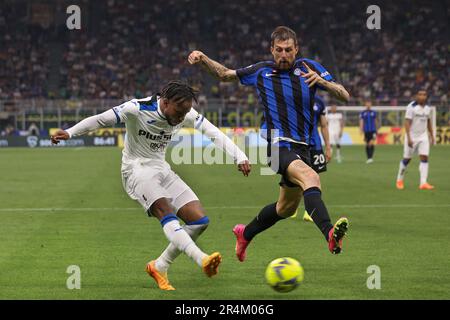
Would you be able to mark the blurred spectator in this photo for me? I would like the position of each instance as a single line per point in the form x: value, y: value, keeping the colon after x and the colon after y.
x: 33, y: 130
x: 130, y: 49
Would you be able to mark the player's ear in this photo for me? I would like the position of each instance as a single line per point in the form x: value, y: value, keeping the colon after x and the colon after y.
x: 165, y: 101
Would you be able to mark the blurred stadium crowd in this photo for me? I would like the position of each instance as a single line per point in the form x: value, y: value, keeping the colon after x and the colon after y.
x: 130, y: 48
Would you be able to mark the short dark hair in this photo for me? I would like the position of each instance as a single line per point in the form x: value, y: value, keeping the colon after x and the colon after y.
x: 283, y: 33
x: 179, y: 91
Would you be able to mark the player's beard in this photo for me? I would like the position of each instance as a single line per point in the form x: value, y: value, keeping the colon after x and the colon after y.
x: 284, y: 65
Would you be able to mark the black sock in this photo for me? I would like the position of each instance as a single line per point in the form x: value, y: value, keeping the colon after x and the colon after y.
x: 368, y: 151
x: 372, y: 150
x: 266, y: 218
x: 317, y: 210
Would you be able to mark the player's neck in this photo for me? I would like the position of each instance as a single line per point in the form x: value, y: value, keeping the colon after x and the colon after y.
x: 161, y: 107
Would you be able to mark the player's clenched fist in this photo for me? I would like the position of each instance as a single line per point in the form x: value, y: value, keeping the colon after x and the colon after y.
x: 59, y: 135
x: 195, y: 57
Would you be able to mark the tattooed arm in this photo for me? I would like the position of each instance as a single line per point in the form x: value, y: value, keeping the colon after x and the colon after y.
x: 213, y: 67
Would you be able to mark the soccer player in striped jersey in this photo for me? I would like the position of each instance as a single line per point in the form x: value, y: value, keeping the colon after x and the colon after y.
x: 336, y: 129
x: 147, y: 177
x: 286, y: 88
x: 368, y: 124
x: 418, y: 137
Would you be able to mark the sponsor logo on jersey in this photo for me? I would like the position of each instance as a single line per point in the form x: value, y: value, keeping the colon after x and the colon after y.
x: 324, y: 74
x: 156, y: 137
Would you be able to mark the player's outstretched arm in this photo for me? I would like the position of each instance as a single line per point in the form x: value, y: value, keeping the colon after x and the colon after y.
x: 213, y: 67
x: 107, y: 118
x: 335, y: 89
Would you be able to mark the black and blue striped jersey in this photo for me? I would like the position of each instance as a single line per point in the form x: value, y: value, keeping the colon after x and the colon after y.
x: 287, y: 100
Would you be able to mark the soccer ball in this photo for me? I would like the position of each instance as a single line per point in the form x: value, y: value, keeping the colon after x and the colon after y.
x: 284, y: 274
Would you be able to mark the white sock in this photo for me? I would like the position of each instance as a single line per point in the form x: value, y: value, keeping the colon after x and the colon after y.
x: 338, y: 154
x: 182, y: 241
x: 401, y: 171
x: 166, y: 258
x: 423, y: 169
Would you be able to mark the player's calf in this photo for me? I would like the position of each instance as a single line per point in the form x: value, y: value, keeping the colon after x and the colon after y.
x: 314, y: 205
x: 194, y: 229
x: 401, y: 173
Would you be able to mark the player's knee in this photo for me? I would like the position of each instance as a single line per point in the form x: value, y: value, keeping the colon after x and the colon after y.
x: 202, y: 223
x: 311, y: 179
x: 406, y: 161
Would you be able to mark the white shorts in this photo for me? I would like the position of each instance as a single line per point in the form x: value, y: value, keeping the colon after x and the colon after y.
x: 420, y: 147
x: 334, y: 137
x: 148, y: 182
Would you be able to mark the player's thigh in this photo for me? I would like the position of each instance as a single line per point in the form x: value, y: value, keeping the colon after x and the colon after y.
x: 423, y: 149
x: 302, y: 174
x: 334, y: 138
x: 184, y: 201
x: 408, y: 152
x: 144, y: 184
x: 288, y: 201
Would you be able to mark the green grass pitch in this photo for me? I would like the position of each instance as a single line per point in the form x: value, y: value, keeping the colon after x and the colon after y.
x: 63, y: 207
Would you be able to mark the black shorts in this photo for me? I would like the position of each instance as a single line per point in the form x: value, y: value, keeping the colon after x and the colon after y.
x: 318, y: 160
x: 281, y: 157
x: 370, y: 135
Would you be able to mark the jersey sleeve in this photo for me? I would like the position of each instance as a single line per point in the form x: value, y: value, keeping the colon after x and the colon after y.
x: 409, y: 112
x: 320, y: 69
x: 193, y: 119
x: 126, y: 110
x: 248, y: 75
x: 101, y: 120
x: 361, y: 115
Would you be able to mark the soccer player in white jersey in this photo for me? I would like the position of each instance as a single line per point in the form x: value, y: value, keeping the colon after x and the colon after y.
x: 418, y: 136
x: 335, y: 129
x: 148, y: 178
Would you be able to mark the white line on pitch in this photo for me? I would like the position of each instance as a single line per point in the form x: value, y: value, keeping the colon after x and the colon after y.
x: 229, y: 207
